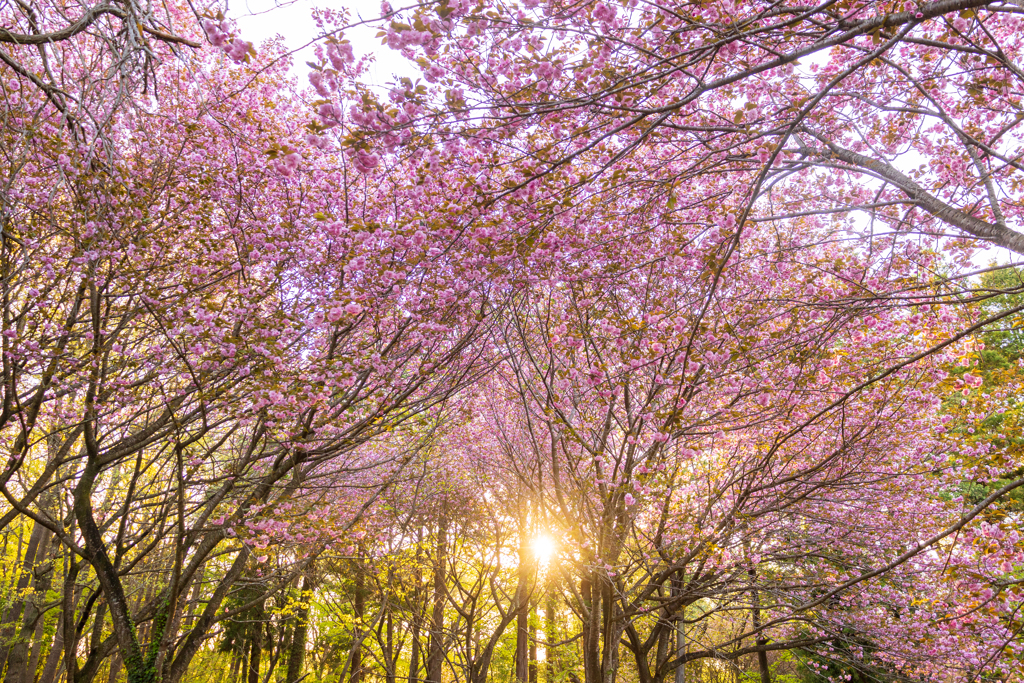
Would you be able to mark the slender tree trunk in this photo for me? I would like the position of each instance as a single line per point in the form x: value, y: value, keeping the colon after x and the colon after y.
x: 21, y: 665
x: 359, y: 607
x: 99, y: 617
x: 236, y: 664
x: 532, y: 625
x: 69, y: 607
x: 256, y: 652
x: 680, y: 630
x: 37, y: 649
x: 435, y: 655
x: 16, y: 655
x: 286, y: 649
x: 297, y: 653
x: 550, y: 636
x: 523, y: 603
x: 611, y: 633
x: 389, y: 647
x: 115, y: 668
x: 414, y: 655
x: 591, y: 594
x: 761, y: 641
x: 755, y: 614
x: 193, y: 601
x: 53, y: 657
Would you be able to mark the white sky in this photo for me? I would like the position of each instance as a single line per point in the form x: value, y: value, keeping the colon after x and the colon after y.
x: 259, y: 20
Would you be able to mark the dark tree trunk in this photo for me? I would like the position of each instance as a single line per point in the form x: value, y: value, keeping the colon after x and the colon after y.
x: 359, y: 607
x: 17, y: 654
x: 680, y: 632
x: 256, y: 653
x: 21, y: 664
x: 435, y: 655
x: 414, y: 656
x: 115, y: 668
x: 550, y: 636
x: 611, y: 633
x: 53, y: 657
x: 42, y: 587
x: 237, y: 657
x: 591, y: 595
x: 523, y: 605
x: 297, y: 652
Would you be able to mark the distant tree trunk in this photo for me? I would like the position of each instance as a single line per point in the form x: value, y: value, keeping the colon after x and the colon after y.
x: 21, y: 665
x: 256, y: 652
x: 762, y: 656
x: 550, y: 636
x: 297, y: 652
x: 16, y: 655
x: 611, y: 633
x: 523, y: 604
x: 37, y: 649
x: 435, y: 655
x: 532, y: 623
x: 389, y: 648
x: 680, y: 632
x: 99, y: 617
x: 414, y: 656
x: 236, y: 664
x: 359, y: 607
x: 193, y: 601
x: 49, y: 674
x: 755, y: 613
x: 591, y: 594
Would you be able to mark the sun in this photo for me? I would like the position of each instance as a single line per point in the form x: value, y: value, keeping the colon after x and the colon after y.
x: 544, y: 548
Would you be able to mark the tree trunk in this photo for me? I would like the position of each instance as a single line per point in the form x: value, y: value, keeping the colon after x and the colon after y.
x: 256, y: 652
x: 532, y: 625
x: 591, y: 595
x: 551, y: 668
x: 435, y: 655
x: 523, y: 606
x: 236, y: 664
x: 49, y: 674
x: 115, y: 668
x: 37, y: 650
x: 755, y: 613
x: 680, y: 629
x: 611, y: 633
x: 16, y: 655
x: 21, y: 666
x: 414, y: 656
x: 297, y: 653
x: 359, y: 607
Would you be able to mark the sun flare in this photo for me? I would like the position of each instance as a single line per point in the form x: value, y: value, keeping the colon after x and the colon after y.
x: 544, y: 548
